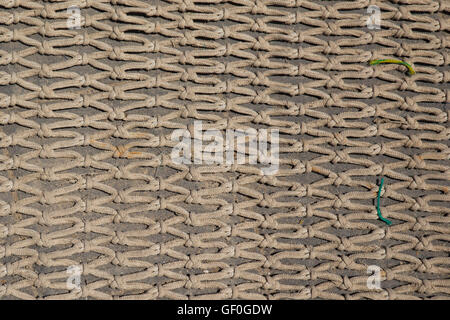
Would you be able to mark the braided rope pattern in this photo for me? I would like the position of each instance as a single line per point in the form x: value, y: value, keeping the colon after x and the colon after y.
x: 86, y: 176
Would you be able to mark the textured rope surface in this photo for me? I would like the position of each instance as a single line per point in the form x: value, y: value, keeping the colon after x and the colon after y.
x: 86, y: 176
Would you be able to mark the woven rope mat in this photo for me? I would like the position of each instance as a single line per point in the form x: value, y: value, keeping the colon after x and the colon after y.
x: 87, y: 179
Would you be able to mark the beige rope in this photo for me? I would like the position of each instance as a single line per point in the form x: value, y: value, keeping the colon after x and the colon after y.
x: 87, y: 116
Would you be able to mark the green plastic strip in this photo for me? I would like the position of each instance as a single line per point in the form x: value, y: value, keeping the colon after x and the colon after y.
x: 388, y: 222
x: 406, y: 64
